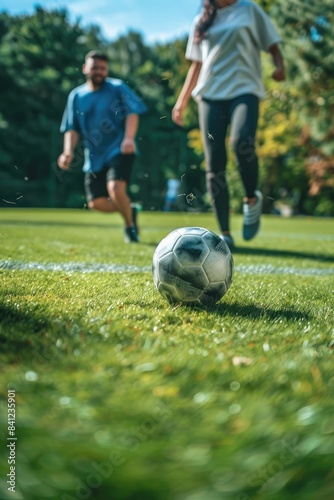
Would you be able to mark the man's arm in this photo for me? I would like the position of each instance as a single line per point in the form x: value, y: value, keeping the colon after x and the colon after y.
x: 128, y: 145
x: 71, y: 138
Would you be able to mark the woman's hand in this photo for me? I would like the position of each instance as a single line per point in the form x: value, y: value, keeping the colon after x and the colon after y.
x: 279, y: 74
x: 177, y: 114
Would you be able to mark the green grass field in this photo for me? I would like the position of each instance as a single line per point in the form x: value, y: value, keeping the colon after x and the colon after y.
x: 121, y: 396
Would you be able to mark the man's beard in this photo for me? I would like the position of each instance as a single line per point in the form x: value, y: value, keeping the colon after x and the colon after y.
x: 98, y: 81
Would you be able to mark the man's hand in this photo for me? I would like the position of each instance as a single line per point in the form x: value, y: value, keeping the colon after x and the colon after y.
x: 128, y: 146
x: 64, y: 160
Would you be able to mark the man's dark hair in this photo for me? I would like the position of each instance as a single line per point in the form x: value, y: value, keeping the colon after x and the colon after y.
x: 96, y: 54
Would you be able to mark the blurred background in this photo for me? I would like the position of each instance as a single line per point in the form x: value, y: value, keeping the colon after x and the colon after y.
x: 41, y: 54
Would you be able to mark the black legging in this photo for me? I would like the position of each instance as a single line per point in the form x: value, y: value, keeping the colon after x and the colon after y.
x: 214, y: 118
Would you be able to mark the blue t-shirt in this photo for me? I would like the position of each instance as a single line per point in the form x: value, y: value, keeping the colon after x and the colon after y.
x: 99, y: 116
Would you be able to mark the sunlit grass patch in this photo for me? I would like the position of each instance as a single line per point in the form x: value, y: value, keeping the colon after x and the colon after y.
x: 121, y: 396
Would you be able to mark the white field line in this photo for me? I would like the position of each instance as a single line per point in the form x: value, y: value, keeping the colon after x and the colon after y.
x: 13, y: 265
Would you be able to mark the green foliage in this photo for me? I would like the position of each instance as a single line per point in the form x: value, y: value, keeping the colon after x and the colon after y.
x: 40, y: 62
x: 308, y: 29
x: 41, y: 57
x: 296, y: 135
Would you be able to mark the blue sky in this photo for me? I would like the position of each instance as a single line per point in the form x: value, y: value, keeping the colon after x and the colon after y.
x: 157, y: 20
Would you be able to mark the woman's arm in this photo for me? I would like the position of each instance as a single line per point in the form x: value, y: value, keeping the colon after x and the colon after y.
x: 279, y: 73
x: 188, y: 87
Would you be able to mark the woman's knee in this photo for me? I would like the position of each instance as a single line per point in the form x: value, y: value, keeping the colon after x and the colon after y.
x: 244, y: 148
x: 216, y: 182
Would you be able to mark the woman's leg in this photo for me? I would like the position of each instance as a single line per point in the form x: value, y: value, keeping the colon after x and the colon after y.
x: 214, y: 120
x: 244, y: 112
x: 244, y: 116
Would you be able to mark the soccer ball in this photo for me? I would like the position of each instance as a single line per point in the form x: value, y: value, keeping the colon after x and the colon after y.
x: 192, y: 265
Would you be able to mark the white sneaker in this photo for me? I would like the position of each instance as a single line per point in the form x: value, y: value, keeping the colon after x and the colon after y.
x: 252, y: 217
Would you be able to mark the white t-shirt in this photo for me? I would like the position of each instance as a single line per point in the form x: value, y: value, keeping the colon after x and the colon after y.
x: 231, y: 52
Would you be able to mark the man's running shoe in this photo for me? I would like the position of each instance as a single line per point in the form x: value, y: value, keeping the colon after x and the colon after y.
x: 130, y: 235
x: 135, y: 216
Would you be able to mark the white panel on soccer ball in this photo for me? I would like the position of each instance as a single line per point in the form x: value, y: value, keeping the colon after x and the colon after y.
x: 191, y: 250
x: 155, y: 272
x: 230, y: 273
x: 215, y: 267
x: 168, y: 268
x: 194, y: 231
x: 166, y: 245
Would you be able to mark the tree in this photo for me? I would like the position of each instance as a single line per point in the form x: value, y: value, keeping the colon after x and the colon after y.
x: 296, y: 132
x: 40, y: 62
x: 41, y: 57
x: 308, y: 28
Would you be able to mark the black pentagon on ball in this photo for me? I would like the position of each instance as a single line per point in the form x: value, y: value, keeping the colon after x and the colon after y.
x: 191, y: 250
x: 214, y: 292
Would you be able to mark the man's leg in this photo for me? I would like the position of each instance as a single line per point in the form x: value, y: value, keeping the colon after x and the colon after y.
x: 118, y: 176
x: 105, y: 193
x: 97, y: 194
x: 102, y: 204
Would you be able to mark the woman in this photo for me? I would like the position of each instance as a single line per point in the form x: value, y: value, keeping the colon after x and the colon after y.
x: 224, y: 45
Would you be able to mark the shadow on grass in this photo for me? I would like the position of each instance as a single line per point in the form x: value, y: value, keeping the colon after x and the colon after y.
x: 32, y: 336
x: 150, y: 243
x: 252, y: 311
x: 15, y: 325
x: 249, y: 311
x: 270, y: 252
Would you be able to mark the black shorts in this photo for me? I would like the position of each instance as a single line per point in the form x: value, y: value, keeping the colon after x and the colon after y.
x: 118, y: 169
